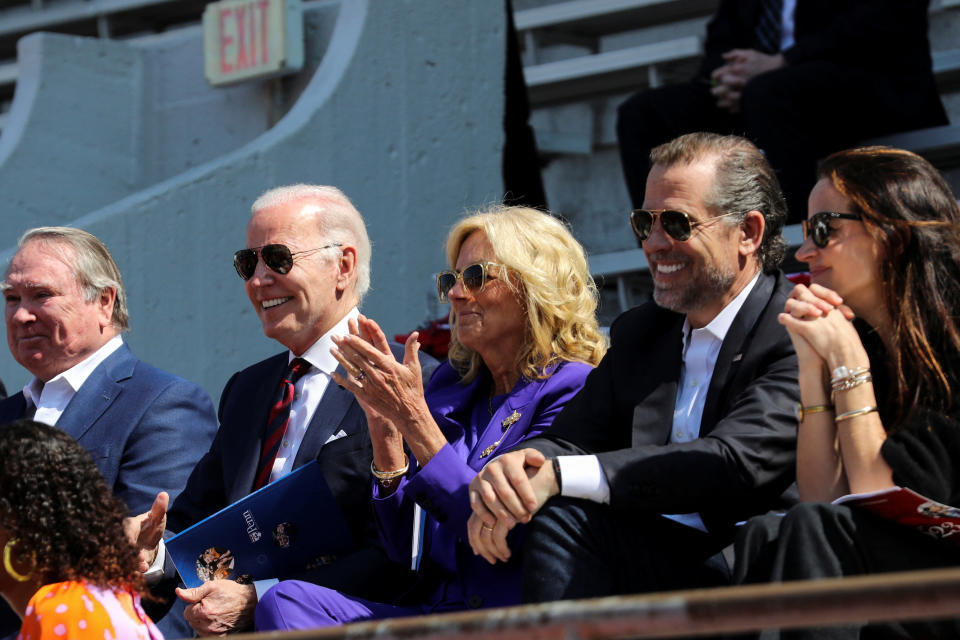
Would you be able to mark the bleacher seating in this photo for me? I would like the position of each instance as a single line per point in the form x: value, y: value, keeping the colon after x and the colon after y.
x: 93, y: 18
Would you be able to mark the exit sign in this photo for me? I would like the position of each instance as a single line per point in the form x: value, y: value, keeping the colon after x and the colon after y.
x: 244, y: 39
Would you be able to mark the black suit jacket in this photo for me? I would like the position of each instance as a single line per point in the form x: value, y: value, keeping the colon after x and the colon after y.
x: 745, y: 457
x: 886, y: 38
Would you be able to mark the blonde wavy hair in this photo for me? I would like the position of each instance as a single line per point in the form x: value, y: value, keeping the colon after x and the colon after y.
x: 547, y: 269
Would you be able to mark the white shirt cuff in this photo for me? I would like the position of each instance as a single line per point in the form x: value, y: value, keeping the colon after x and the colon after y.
x: 155, y: 572
x: 582, y: 477
x: 263, y: 585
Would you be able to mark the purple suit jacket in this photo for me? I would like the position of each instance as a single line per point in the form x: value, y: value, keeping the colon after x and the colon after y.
x: 451, y: 576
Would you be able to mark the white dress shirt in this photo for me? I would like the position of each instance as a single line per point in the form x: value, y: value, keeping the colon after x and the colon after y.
x: 47, y: 401
x: 307, y: 393
x: 582, y: 475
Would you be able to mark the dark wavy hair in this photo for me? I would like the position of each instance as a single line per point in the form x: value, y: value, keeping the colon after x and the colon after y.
x: 744, y: 181
x: 908, y: 208
x: 54, y: 500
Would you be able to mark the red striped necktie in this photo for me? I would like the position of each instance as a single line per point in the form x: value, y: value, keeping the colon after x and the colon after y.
x: 279, y: 419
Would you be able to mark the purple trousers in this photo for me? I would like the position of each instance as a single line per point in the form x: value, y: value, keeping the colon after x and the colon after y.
x: 293, y: 604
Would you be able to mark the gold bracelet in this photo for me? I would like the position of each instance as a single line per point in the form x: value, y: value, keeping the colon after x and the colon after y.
x: 853, y: 414
x: 390, y: 475
x: 803, y: 411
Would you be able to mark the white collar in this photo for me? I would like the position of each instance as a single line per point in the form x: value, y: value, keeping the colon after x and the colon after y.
x: 720, y: 325
x: 318, y: 354
x: 76, y: 375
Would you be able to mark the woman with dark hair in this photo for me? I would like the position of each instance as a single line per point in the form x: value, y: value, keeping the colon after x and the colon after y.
x: 69, y: 571
x: 881, y: 394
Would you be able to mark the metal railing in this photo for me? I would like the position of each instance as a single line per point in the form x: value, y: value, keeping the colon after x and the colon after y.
x: 913, y: 595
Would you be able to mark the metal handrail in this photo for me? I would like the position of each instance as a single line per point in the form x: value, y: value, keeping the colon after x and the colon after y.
x: 912, y: 595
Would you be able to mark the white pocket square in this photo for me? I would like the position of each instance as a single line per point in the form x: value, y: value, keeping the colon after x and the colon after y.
x: 336, y: 436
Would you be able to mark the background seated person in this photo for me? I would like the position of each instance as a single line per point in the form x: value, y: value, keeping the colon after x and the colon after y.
x: 800, y: 78
x: 883, y: 243
x: 68, y: 568
x: 524, y: 338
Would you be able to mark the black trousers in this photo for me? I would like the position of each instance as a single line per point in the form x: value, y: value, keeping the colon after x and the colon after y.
x: 795, y: 114
x: 581, y: 549
x: 817, y: 540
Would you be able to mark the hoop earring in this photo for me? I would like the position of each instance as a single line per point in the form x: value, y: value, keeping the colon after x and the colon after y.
x: 8, y: 565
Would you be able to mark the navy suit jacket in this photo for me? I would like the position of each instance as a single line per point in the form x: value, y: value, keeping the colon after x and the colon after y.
x: 226, y: 473
x: 744, y: 461
x: 145, y: 429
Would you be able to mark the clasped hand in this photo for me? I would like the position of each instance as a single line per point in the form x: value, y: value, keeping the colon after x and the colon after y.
x: 819, y: 325
x: 507, y: 491
x: 742, y: 65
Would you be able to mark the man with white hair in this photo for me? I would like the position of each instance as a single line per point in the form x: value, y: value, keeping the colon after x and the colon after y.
x: 306, y: 267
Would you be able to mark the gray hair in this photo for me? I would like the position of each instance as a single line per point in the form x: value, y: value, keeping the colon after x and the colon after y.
x: 93, y: 266
x: 744, y: 181
x: 340, y: 222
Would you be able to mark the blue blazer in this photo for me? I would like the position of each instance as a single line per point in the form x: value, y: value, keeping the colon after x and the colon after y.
x: 145, y: 429
x: 451, y: 576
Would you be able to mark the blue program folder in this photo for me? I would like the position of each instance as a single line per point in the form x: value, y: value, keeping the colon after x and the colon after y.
x: 281, y: 530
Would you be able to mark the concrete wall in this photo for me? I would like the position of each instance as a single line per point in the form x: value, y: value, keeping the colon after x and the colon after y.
x: 403, y: 112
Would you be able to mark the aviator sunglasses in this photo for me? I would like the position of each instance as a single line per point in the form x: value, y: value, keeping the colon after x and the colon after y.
x: 473, y: 277
x: 277, y: 257
x: 818, y: 228
x: 676, y: 224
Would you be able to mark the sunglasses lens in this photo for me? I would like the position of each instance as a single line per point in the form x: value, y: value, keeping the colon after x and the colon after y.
x: 642, y: 222
x: 245, y: 262
x: 676, y: 224
x: 445, y: 282
x: 473, y: 277
x: 821, y: 232
x: 277, y: 257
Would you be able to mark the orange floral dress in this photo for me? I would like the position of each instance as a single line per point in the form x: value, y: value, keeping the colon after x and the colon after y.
x: 80, y: 611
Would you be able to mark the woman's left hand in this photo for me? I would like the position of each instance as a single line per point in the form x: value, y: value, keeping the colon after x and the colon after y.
x: 390, y: 388
x: 832, y: 335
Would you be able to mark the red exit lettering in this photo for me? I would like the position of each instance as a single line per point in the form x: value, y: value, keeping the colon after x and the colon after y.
x: 243, y: 34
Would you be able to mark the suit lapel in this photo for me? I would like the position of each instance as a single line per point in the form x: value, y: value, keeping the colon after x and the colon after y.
x: 732, y: 350
x: 512, y: 415
x: 242, y: 454
x: 97, y: 393
x: 653, y: 417
x: 326, y: 420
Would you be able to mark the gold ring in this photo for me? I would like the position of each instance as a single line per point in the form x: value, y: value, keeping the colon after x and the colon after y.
x: 486, y: 528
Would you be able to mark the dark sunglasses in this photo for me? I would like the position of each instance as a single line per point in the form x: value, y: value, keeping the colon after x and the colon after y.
x: 818, y: 228
x: 676, y: 224
x: 277, y: 257
x: 473, y: 277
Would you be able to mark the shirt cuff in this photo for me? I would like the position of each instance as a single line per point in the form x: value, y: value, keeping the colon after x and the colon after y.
x: 263, y: 585
x: 583, y: 478
x: 155, y: 572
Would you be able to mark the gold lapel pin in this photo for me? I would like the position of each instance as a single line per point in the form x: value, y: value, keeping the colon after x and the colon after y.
x: 508, y: 422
